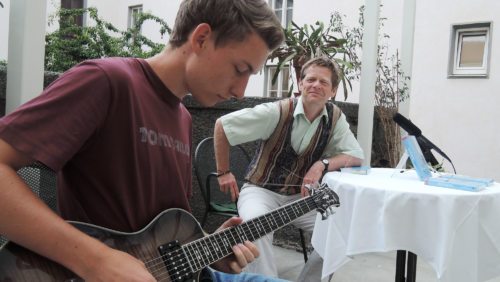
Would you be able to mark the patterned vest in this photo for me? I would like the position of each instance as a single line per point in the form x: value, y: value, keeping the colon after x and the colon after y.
x: 276, y: 166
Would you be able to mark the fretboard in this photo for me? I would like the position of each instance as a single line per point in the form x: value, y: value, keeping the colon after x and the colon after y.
x: 207, y: 250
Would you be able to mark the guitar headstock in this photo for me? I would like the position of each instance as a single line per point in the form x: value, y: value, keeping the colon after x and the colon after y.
x: 324, y: 198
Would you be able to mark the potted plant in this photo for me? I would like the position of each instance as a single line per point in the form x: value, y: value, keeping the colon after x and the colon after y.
x: 306, y: 42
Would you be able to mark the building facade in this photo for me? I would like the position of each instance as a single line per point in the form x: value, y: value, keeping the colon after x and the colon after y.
x: 455, y: 72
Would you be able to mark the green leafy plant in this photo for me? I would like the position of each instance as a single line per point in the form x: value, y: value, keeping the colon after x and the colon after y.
x: 71, y: 43
x: 306, y: 42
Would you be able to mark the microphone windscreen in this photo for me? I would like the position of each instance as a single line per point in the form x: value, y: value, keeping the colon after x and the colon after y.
x: 407, y: 125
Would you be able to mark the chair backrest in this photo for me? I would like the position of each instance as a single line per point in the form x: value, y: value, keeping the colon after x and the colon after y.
x: 204, y: 164
x: 42, y: 181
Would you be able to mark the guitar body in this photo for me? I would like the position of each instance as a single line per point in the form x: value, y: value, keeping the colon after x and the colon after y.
x: 20, y: 264
x: 173, y: 246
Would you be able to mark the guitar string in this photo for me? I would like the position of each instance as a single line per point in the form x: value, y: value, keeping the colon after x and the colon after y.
x: 203, y: 254
x: 213, y: 258
x: 158, y: 262
x: 153, y: 263
x: 187, y: 270
x: 238, y: 235
x: 255, y: 228
x: 193, y: 256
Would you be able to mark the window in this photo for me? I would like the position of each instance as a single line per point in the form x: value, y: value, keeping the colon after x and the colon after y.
x: 280, y: 88
x: 133, y: 14
x: 283, y: 10
x: 74, y: 4
x: 469, y: 56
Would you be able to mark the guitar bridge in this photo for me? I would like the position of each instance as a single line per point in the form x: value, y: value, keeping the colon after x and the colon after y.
x: 175, y: 261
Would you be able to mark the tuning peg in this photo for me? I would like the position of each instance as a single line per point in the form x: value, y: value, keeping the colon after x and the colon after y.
x: 325, y: 215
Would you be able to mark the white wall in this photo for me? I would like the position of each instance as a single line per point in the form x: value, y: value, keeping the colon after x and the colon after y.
x: 116, y: 12
x: 349, y: 9
x: 4, y: 29
x: 4, y: 24
x: 459, y: 115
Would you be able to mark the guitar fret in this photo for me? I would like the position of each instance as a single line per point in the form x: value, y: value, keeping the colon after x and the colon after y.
x: 197, y: 255
x: 203, y: 253
x: 221, y: 243
x: 192, y: 253
x: 274, y: 224
x: 231, y: 232
x: 262, y: 230
x: 241, y: 234
x: 186, y: 259
x: 226, y: 243
x: 301, y: 210
x: 254, y: 228
x: 235, y: 231
x: 307, y: 204
x: 281, y: 217
x: 294, y: 209
x: 216, y: 246
x: 207, y: 250
x: 269, y: 224
x: 287, y: 214
x: 249, y: 230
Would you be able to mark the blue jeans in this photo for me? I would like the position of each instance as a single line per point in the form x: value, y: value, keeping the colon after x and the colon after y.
x: 242, y: 277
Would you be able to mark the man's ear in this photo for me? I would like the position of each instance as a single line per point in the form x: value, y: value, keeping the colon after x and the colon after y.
x: 334, y: 91
x: 200, y: 36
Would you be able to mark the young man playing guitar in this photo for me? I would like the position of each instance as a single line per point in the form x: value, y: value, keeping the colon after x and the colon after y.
x: 119, y: 138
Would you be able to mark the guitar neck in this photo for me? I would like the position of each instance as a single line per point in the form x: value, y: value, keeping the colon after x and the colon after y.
x: 207, y: 250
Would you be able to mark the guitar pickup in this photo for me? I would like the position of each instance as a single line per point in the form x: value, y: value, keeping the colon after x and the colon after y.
x: 175, y: 262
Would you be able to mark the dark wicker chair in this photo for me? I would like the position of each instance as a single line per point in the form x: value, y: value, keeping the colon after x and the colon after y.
x: 217, y: 202
x: 42, y: 181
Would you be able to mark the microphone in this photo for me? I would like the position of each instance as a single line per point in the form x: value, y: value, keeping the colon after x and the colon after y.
x: 407, y: 125
x: 425, y: 144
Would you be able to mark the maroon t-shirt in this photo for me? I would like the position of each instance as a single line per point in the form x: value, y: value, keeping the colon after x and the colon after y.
x: 119, y: 139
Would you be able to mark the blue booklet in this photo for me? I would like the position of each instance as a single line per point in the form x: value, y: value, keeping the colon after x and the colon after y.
x: 454, y: 181
x: 457, y: 183
x: 417, y: 157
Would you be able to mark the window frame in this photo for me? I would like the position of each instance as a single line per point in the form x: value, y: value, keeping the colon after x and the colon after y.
x: 460, y: 31
x: 281, y: 92
x: 75, y: 4
x: 284, y: 20
x: 131, y: 18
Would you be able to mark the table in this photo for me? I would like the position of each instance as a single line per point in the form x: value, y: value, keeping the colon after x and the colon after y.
x: 456, y: 232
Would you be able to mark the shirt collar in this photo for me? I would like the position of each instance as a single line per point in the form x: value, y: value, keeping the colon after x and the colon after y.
x: 299, y: 110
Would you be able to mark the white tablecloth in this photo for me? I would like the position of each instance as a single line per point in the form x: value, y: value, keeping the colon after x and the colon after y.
x: 456, y: 232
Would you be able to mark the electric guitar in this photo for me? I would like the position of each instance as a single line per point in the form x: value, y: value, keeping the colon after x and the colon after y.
x: 173, y: 246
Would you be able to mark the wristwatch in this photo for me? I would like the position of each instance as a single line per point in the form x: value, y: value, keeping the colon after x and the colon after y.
x: 325, y: 163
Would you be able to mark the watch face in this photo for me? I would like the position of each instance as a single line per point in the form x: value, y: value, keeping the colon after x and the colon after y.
x: 326, y: 163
